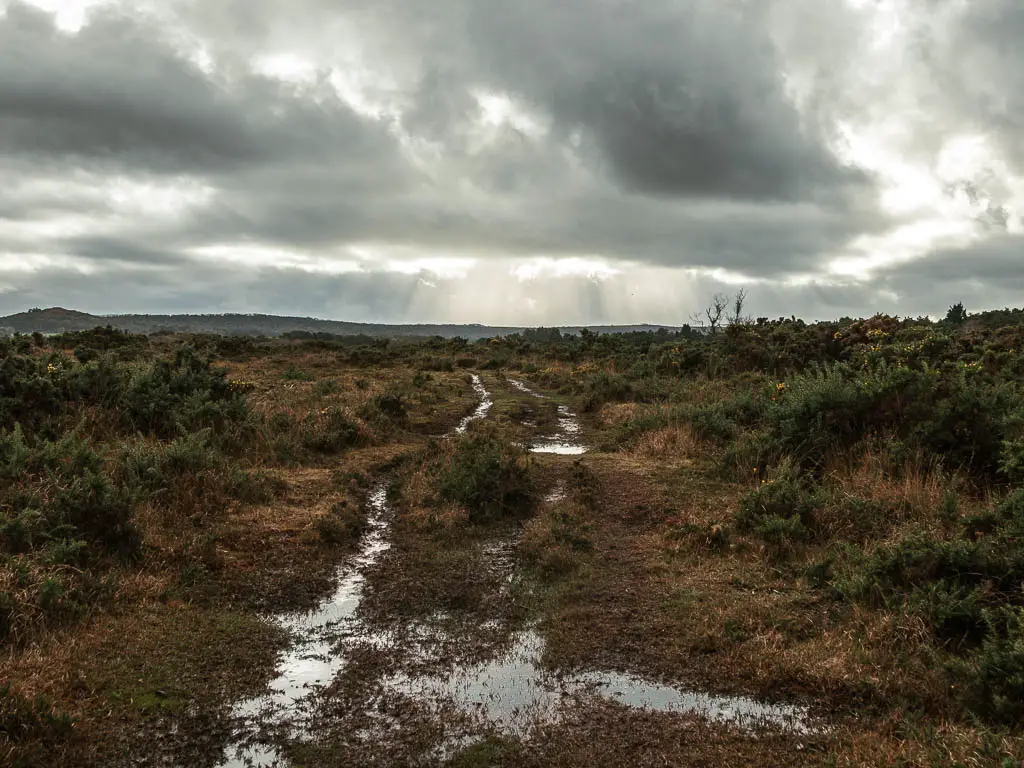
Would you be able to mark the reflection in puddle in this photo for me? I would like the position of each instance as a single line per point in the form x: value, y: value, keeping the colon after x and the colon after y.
x: 481, y: 409
x: 508, y: 692
x: 740, y: 710
x: 566, y: 440
x: 563, y: 449
x: 310, y: 662
x: 512, y: 693
x: 523, y: 388
x: 556, y: 495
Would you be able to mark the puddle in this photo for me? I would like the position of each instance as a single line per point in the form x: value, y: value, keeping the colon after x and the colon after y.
x: 523, y: 388
x: 563, y: 449
x: 556, y: 495
x: 481, y: 409
x: 310, y: 662
x: 743, y: 711
x: 509, y: 691
x: 512, y: 693
x: 566, y: 440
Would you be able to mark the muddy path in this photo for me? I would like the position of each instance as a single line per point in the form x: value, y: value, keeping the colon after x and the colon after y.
x: 432, y: 647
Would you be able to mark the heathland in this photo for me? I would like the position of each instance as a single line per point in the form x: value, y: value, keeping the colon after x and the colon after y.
x: 776, y: 543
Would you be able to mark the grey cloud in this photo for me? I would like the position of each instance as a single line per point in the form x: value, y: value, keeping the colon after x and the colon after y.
x: 675, y: 98
x: 670, y: 133
x: 117, y: 94
x: 630, y: 297
x: 104, y: 249
x: 682, y: 98
x: 996, y: 261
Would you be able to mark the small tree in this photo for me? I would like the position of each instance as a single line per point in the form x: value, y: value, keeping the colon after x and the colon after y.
x: 714, y: 312
x: 956, y: 315
x: 714, y: 315
x: 737, y: 307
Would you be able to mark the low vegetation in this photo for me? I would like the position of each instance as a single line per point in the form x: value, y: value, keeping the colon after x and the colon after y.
x: 830, y: 513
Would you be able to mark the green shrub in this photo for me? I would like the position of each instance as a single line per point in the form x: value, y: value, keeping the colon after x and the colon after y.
x: 968, y: 589
x: 487, y: 475
x: 602, y: 387
x: 326, y: 387
x: 781, y: 534
x: 711, y: 422
x: 784, y: 496
x: 99, y: 511
x: 330, y: 431
x: 342, y: 524
x: 389, y: 406
x: 22, y: 719
x: 291, y: 373
x: 992, y: 678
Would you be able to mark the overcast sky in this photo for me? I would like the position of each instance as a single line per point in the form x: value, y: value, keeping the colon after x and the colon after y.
x: 511, y: 161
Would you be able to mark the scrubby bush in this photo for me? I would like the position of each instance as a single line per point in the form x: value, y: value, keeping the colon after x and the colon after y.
x: 488, y: 475
x: 342, y: 524
x: 783, y: 496
x: 326, y: 387
x: 387, y: 406
x: 330, y: 431
x: 23, y: 719
x: 966, y: 587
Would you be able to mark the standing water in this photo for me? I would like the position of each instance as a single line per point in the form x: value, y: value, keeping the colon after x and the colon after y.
x: 481, y: 409
x: 510, y: 692
x: 566, y: 441
x: 310, y: 661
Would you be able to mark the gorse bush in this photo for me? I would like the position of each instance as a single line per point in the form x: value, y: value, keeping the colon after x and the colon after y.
x: 785, y: 495
x: 968, y: 590
x: 387, y: 406
x: 487, y: 475
x: 57, y: 490
x: 961, y: 418
x: 83, y: 445
x: 330, y: 431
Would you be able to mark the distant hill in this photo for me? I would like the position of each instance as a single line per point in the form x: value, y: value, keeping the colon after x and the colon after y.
x: 58, y: 320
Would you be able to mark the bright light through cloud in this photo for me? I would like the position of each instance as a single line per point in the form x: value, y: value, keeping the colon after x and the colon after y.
x: 540, y: 166
x: 70, y: 15
x: 540, y: 267
x: 276, y: 258
x: 290, y: 67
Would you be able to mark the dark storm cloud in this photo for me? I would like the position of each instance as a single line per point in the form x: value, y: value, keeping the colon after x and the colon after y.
x: 115, y: 94
x: 998, y: 259
x: 678, y: 98
x: 669, y: 133
x: 101, y: 250
x: 673, y: 97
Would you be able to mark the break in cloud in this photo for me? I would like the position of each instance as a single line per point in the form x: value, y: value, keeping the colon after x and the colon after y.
x: 530, y: 162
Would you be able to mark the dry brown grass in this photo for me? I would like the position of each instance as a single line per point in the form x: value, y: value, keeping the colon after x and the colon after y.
x: 615, y: 414
x: 241, y: 555
x: 672, y: 443
x: 914, y: 488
